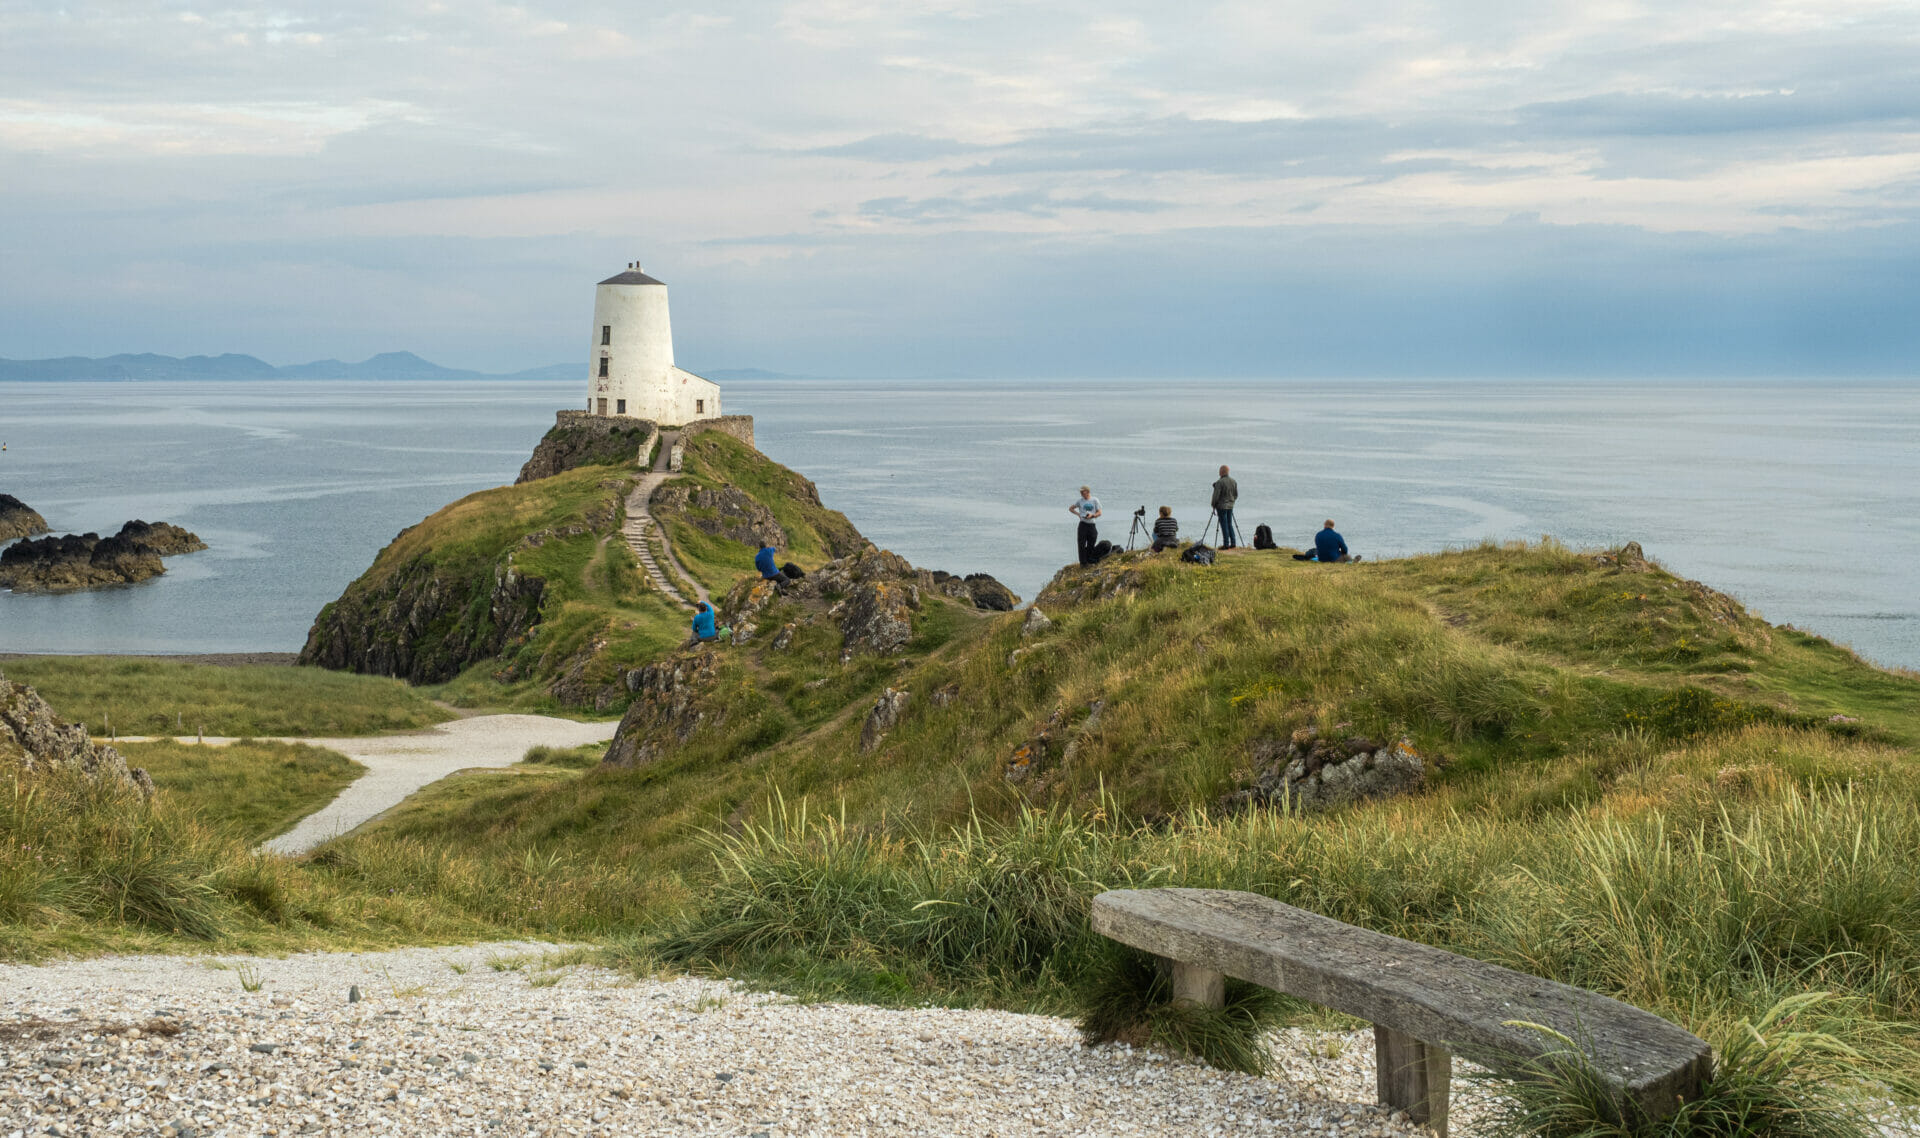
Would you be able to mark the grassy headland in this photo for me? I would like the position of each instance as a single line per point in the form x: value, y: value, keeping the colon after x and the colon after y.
x: 526, y: 596
x: 1632, y: 784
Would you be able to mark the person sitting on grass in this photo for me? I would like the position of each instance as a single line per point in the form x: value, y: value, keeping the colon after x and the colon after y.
x: 763, y: 561
x: 1328, y: 547
x: 1166, y: 531
x: 703, y: 624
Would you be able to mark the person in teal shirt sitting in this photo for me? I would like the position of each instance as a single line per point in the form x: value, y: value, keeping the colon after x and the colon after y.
x: 704, y: 629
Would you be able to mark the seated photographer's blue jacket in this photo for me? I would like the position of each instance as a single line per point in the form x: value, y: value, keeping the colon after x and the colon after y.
x: 763, y: 561
x: 1328, y: 545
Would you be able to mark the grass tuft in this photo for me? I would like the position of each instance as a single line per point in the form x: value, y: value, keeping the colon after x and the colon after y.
x: 1126, y: 996
x: 1770, y: 1080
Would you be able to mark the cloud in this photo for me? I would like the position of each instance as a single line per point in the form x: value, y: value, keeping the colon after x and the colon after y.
x: 1033, y: 203
x: 264, y: 178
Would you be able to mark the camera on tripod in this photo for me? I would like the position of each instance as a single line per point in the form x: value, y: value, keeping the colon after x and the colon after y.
x: 1139, y: 527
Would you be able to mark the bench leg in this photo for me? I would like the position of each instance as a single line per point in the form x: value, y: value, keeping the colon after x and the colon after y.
x: 1413, y: 1076
x: 1193, y: 985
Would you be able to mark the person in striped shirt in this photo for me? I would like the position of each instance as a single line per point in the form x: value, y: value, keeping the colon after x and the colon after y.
x: 1166, y: 531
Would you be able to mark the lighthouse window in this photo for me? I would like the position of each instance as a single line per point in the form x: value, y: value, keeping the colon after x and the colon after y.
x: 699, y: 406
x: 606, y: 334
x: 622, y: 405
x: 603, y: 367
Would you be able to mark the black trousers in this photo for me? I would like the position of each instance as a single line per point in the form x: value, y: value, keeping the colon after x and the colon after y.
x: 1089, y: 536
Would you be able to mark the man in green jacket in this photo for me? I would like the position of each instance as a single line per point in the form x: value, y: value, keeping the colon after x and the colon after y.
x: 1225, y: 493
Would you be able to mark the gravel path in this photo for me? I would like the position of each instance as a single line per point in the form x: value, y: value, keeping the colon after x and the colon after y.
x: 398, y: 765
x: 494, y: 1040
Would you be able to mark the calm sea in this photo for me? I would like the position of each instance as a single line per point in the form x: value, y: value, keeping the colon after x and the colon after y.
x: 1801, y: 499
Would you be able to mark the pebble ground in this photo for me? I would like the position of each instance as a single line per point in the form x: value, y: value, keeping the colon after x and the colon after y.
x: 513, y: 1039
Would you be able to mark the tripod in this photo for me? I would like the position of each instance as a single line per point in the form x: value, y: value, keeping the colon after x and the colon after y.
x: 1213, y: 523
x: 1139, y: 528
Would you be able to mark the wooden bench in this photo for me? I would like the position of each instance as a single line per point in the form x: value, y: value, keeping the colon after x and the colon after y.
x: 1424, y: 1003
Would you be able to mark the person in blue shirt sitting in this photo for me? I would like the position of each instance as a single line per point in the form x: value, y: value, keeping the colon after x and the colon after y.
x: 763, y: 561
x: 703, y: 624
x: 1328, y: 547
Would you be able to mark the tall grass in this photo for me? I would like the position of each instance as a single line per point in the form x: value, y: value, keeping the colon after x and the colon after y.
x: 258, y: 788
x: 146, y: 696
x: 1771, y: 1079
x: 1707, y: 913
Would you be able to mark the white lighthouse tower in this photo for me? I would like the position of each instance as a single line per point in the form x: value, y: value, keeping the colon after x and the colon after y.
x: 631, y: 368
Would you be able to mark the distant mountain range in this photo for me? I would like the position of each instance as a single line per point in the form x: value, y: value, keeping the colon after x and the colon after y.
x: 146, y: 365
x: 386, y: 365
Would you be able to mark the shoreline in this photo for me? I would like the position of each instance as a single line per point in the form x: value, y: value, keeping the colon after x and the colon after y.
x: 216, y: 659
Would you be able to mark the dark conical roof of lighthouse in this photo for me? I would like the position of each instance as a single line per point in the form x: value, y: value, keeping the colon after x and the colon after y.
x: 633, y: 277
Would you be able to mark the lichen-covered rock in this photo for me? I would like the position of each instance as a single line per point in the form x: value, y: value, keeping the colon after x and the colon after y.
x: 18, y: 520
x: 34, y: 740
x: 1119, y: 575
x: 668, y: 707
x: 883, y: 717
x: 1315, y: 773
x: 725, y: 512
x: 878, y: 617
x: 1036, y: 622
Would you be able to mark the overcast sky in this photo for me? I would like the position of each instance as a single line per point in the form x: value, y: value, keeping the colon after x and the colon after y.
x: 1484, y: 187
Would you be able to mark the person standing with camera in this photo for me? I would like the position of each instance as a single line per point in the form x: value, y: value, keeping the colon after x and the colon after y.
x: 1086, y: 507
x: 1225, y: 493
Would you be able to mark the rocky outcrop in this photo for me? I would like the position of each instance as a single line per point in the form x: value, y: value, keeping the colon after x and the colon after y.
x: 579, y: 439
x: 17, y: 520
x: 725, y: 512
x: 872, y: 595
x: 982, y: 590
x: 667, y: 707
x: 89, y: 561
x: 428, y: 620
x: 1315, y: 773
x: 1120, y: 575
x: 34, y: 740
x: 883, y: 717
x: 424, y: 624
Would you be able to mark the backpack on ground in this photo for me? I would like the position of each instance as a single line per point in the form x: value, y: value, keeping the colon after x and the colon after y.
x: 792, y: 572
x: 1198, y: 554
x: 1101, y: 552
x: 1263, y: 537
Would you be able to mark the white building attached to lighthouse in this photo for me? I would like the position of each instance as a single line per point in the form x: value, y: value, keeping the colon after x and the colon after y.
x: 631, y: 370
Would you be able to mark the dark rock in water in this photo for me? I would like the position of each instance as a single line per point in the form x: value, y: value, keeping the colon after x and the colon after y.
x: 88, y: 561
x: 17, y: 520
x: 163, y: 538
x: 579, y: 439
x: 34, y: 740
x: 125, y: 559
